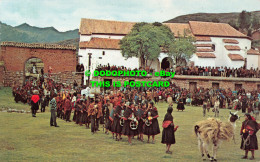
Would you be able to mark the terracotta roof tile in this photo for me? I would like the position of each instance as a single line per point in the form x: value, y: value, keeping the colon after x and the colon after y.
x: 203, y: 38
x: 205, y: 50
x: 206, y: 55
x: 253, y: 52
x: 90, y: 26
x: 232, y: 48
x: 199, y: 28
x: 203, y: 45
x: 179, y: 29
x: 233, y: 41
x: 101, y: 43
x: 235, y: 57
x: 38, y: 45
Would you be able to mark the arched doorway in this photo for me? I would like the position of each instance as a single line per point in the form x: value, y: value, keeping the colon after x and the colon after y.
x: 166, y: 63
x: 34, y: 69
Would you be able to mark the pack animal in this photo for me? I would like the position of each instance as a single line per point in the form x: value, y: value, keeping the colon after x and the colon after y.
x: 214, y: 131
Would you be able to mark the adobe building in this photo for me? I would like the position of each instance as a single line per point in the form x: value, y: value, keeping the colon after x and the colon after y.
x: 20, y: 61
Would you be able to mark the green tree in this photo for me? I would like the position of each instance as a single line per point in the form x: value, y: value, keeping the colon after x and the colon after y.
x: 183, y: 48
x: 233, y: 23
x: 249, y: 32
x: 255, y: 23
x: 244, y: 20
x: 145, y: 41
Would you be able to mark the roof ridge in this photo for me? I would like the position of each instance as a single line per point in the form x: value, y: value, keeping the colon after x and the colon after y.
x: 38, y: 45
x: 108, y: 20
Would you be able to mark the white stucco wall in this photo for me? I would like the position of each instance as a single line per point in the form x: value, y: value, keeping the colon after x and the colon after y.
x: 203, y: 61
x: 113, y: 57
x: 221, y: 52
x: 252, y: 61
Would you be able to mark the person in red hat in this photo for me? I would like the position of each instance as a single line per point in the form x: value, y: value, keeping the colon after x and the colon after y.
x: 248, y: 134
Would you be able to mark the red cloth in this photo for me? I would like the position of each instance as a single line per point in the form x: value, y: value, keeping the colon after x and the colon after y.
x: 67, y: 105
x: 35, y: 98
x: 166, y: 124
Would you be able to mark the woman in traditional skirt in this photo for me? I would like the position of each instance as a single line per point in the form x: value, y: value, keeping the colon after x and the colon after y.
x: 130, y: 116
x: 180, y: 105
x: 152, y: 127
x: 141, y: 117
x: 248, y: 133
x: 117, y: 128
x: 168, y: 136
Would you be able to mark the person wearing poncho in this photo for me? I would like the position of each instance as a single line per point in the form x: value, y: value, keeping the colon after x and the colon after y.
x: 168, y: 136
x: 248, y: 133
x: 35, y: 101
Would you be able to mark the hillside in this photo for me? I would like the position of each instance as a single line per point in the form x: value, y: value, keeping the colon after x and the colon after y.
x: 74, y: 42
x: 222, y: 17
x: 30, y: 34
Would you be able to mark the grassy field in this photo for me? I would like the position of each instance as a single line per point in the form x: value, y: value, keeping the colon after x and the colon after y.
x: 23, y: 138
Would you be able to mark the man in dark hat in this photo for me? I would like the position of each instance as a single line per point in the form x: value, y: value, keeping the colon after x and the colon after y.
x: 248, y: 134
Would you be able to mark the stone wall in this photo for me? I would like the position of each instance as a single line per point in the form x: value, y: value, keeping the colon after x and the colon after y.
x: 62, y: 77
x: 11, y: 77
x: 60, y: 60
x: 67, y: 77
x: 13, y: 59
x: 249, y: 84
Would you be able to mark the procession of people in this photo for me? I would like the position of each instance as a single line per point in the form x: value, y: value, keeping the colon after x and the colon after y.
x: 132, y: 112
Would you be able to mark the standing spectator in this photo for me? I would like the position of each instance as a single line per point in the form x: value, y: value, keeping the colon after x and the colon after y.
x: 206, y: 71
x: 53, y: 107
x: 43, y: 103
x: 81, y: 68
x: 78, y: 68
x: 35, y: 101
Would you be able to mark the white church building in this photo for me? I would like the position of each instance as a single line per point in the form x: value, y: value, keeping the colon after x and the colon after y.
x: 218, y: 44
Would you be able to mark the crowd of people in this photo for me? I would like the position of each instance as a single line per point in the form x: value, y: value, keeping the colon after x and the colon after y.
x: 123, y: 68
x: 129, y: 112
x: 241, y: 72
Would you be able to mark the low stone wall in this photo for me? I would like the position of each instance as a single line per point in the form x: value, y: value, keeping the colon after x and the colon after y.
x: 13, y: 76
x: 10, y: 77
x: 67, y: 77
x: 187, y: 82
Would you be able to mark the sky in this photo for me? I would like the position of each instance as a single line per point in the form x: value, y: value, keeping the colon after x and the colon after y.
x: 66, y: 14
